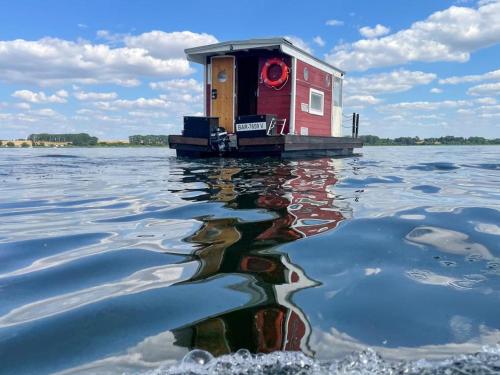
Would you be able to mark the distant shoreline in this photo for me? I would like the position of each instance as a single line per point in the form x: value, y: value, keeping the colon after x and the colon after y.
x: 47, y: 140
x: 167, y: 147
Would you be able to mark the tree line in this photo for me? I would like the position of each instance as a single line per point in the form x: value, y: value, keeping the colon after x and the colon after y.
x: 373, y: 140
x: 81, y: 139
x: 149, y: 140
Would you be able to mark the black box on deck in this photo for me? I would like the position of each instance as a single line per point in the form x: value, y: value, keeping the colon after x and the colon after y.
x: 254, y: 126
x: 199, y: 126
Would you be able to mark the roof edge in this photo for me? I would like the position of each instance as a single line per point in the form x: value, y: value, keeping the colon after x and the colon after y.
x: 228, y: 46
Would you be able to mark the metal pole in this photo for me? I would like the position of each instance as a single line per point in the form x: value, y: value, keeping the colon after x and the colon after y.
x: 357, y: 124
x: 353, y: 124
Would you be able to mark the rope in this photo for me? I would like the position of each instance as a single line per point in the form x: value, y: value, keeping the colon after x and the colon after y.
x: 283, y: 85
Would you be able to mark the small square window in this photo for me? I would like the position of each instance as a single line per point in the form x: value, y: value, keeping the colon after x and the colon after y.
x: 316, y: 102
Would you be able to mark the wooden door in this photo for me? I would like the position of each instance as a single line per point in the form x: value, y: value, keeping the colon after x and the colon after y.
x: 222, y: 101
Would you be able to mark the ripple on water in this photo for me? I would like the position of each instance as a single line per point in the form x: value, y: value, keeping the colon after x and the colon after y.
x: 123, y: 261
x: 429, y: 189
x: 435, y: 166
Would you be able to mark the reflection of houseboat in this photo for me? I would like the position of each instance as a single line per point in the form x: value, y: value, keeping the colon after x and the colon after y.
x: 299, y: 194
x: 265, y: 97
x: 311, y: 208
x: 271, y: 322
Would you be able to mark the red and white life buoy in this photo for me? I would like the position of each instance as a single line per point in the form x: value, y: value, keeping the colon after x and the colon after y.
x: 267, y: 67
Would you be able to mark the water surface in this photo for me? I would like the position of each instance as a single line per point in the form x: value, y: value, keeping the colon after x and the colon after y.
x: 124, y: 260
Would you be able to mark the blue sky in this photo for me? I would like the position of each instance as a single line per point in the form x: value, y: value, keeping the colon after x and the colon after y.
x: 115, y: 68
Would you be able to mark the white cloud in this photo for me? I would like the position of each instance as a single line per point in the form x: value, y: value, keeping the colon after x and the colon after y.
x: 390, y: 82
x: 139, y: 103
x: 176, y: 102
x: 23, y: 106
x: 493, y: 75
x: 95, y: 96
x: 360, y: 101
x: 485, y: 89
x: 424, y: 105
x: 53, y: 61
x: 46, y: 112
x: 448, y: 35
x: 164, y: 45
x: 374, y: 32
x: 435, y: 90
x: 319, y: 41
x: 298, y: 42
x: 40, y: 97
x: 334, y: 23
x: 486, y: 100
x: 111, y: 38
x: 180, y: 85
x: 33, y: 116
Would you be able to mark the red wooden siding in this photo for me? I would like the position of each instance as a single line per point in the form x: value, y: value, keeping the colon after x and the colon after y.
x: 316, y: 125
x: 271, y: 101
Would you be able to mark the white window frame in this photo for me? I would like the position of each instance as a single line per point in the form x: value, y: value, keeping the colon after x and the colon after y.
x: 315, y: 111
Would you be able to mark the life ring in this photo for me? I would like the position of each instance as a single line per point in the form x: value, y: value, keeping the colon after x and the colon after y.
x: 267, y: 67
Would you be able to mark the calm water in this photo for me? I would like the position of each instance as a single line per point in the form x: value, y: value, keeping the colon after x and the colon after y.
x: 124, y: 260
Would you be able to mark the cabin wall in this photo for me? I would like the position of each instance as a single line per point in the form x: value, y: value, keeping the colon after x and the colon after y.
x: 305, y: 122
x: 271, y: 101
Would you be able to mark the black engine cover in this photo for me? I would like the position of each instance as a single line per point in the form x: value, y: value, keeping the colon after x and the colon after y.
x: 199, y: 126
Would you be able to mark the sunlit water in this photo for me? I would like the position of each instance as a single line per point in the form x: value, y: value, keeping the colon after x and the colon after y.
x: 126, y: 260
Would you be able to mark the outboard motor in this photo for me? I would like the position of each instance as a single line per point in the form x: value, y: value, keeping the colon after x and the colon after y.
x: 219, y: 140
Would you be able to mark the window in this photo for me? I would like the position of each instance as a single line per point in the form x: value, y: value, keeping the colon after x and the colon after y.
x: 316, y: 102
x: 337, y: 92
x: 306, y: 73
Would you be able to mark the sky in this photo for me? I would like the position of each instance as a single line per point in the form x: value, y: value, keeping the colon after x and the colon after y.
x: 114, y: 68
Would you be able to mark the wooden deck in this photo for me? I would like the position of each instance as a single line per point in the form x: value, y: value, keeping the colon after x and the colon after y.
x: 279, y: 146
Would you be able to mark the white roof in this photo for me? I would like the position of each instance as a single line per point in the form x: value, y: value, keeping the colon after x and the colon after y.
x: 199, y: 54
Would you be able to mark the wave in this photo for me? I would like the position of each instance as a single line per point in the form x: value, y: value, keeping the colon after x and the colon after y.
x: 365, y: 362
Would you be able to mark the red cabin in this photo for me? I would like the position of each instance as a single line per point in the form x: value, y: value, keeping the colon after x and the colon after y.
x: 271, y: 76
x: 266, y: 97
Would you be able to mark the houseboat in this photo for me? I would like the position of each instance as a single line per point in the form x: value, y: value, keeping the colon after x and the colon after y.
x: 266, y: 97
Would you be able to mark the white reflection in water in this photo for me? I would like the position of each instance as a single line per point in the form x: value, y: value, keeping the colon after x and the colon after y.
x: 412, y: 217
x: 372, y: 271
x: 488, y: 228
x: 448, y: 241
x: 431, y: 278
x: 150, y: 353
x: 147, y: 279
x: 335, y: 344
x: 154, y: 236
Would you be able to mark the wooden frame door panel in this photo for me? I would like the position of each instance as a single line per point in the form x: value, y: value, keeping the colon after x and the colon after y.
x: 222, y: 99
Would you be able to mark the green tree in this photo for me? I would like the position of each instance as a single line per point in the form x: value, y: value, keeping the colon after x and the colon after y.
x: 81, y: 139
x: 10, y: 144
x: 149, y: 140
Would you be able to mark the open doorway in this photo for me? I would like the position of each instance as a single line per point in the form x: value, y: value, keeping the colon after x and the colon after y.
x: 248, y: 79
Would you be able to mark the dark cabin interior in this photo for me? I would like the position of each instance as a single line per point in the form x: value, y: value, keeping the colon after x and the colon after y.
x: 247, y: 84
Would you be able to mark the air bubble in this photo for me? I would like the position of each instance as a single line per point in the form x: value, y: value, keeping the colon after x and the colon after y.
x: 197, y: 357
x: 244, y: 353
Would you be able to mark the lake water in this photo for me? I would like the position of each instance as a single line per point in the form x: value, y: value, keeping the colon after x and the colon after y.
x: 125, y: 260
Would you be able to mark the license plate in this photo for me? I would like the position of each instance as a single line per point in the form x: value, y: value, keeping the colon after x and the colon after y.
x: 249, y: 126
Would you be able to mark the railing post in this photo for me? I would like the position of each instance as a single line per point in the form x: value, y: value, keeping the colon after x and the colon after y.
x: 357, y: 124
x: 353, y: 124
